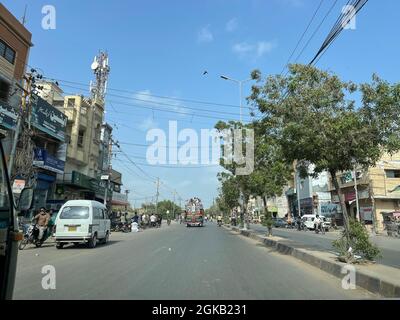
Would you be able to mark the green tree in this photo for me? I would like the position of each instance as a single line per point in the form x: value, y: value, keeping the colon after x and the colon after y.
x: 271, y: 173
x: 168, y: 205
x: 310, y: 115
x: 238, y: 184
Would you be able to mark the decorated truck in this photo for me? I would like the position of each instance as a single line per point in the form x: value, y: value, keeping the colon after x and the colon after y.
x: 194, y: 213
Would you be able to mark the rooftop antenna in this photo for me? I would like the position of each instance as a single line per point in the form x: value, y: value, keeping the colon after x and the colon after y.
x: 24, y: 17
x: 101, y: 69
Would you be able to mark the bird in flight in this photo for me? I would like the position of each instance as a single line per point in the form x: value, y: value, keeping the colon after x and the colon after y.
x: 205, y: 72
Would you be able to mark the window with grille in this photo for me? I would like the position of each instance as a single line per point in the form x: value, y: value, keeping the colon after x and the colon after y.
x: 7, y: 52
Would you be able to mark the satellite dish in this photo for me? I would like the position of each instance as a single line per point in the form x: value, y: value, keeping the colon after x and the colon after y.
x: 94, y: 65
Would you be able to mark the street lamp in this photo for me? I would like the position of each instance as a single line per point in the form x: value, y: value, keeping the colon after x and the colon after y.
x: 240, y: 82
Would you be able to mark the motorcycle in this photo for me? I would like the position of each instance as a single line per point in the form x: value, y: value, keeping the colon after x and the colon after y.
x: 115, y: 226
x: 301, y: 226
x: 219, y: 223
x: 168, y: 221
x: 125, y: 227
x: 31, y: 236
x: 319, y: 228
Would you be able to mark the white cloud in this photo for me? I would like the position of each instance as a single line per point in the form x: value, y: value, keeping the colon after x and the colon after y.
x: 242, y: 48
x: 255, y: 50
x: 264, y: 47
x: 231, y: 25
x: 205, y: 35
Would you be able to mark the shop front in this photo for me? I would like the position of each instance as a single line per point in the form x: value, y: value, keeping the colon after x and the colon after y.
x: 77, y: 185
x: 119, y: 202
x: 48, y: 167
x: 306, y: 206
x: 391, y: 221
x: 8, y: 123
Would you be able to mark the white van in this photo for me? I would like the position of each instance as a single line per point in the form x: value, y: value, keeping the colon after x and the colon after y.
x: 308, y: 220
x: 82, y: 221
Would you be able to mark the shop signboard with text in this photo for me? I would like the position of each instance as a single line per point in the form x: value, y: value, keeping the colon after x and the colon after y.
x: 43, y: 159
x: 48, y: 119
x: 8, y: 116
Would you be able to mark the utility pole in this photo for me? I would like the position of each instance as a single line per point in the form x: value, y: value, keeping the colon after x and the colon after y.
x: 126, y: 206
x: 355, y: 188
x: 173, y: 205
x: 25, y: 112
x: 109, y: 154
x: 297, y: 179
x: 157, y: 194
x: 25, y: 94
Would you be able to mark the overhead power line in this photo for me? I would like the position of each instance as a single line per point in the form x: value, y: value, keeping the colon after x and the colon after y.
x: 167, y: 110
x: 316, y: 30
x: 338, y: 27
x: 150, y: 95
x: 177, y: 166
x: 302, y: 36
x: 157, y: 102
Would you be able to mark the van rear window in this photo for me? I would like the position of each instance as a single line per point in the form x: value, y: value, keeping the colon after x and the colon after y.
x: 75, y: 212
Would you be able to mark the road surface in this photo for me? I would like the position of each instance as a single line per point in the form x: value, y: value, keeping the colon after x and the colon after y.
x: 175, y: 262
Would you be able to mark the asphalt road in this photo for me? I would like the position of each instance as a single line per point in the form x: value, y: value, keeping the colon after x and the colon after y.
x: 175, y: 262
x: 389, y: 247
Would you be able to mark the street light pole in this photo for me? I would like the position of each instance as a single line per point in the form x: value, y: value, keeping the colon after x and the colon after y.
x: 240, y: 83
x: 355, y: 187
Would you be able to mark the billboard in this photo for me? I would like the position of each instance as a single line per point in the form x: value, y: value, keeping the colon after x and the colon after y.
x: 48, y: 119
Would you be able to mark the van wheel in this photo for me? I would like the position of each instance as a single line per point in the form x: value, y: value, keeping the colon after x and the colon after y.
x: 59, y: 245
x: 92, y: 242
x: 105, y: 239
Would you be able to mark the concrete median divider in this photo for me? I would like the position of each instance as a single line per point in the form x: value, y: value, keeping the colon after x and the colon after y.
x: 376, y: 278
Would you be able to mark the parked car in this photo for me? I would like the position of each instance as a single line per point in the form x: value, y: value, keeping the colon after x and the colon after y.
x: 82, y: 221
x: 280, y: 223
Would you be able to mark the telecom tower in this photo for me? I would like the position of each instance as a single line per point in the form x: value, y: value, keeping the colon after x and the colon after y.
x: 101, y: 69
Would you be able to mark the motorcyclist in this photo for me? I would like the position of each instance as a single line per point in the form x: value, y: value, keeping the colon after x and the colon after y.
x: 51, y: 224
x: 153, y: 220
x: 135, y: 218
x: 168, y: 218
x: 233, y: 218
x: 219, y: 219
x: 42, y: 220
x: 159, y: 219
x: 317, y: 222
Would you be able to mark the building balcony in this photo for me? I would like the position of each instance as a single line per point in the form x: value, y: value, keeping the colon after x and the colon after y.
x: 70, y: 113
x: 83, y: 122
x: 76, y: 155
x: 80, y: 156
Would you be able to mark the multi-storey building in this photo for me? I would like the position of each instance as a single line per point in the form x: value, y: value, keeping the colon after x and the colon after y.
x: 378, y: 190
x: 15, y: 42
x: 87, y: 156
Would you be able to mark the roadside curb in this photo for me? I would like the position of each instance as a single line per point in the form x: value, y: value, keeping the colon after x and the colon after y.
x: 364, y: 278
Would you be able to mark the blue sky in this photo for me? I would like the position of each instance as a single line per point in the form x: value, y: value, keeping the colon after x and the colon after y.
x: 163, y: 47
